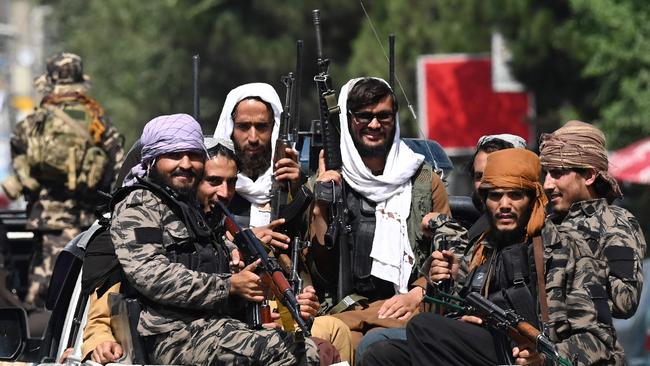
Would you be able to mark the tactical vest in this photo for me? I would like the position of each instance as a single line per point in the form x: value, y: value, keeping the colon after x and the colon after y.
x: 362, y: 222
x: 203, y: 252
x: 509, y: 277
x: 64, y: 143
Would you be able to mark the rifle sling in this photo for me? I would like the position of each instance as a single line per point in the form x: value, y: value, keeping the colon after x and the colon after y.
x: 538, y: 250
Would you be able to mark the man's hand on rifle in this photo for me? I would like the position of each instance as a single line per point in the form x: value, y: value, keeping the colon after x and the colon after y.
x: 471, y: 319
x: 326, y: 175
x: 275, y: 324
x: 401, y: 306
x: 268, y: 236
x: 247, y: 284
x: 308, y: 302
x: 527, y: 356
x: 444, y: 266
x: 288, y: 169
x: 424, y: 225
x: 236, y: 264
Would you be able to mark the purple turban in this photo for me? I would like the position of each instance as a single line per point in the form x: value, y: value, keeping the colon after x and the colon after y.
x: 167, y: 134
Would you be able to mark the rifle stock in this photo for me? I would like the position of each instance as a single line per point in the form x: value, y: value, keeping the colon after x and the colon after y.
x: 519, y: 330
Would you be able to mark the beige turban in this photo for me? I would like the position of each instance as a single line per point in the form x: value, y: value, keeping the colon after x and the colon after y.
x: 578, y: 145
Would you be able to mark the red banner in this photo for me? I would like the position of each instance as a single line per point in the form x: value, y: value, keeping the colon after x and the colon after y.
x: 458, y: 105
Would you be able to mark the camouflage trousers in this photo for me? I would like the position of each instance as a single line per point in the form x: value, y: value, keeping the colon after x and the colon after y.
x: 43, y: 265
x: 226, y: 341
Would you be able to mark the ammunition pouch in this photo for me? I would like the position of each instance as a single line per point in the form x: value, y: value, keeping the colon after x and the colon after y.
x: 326, y: 192
x: 93, y: 167
x: 201, y: 260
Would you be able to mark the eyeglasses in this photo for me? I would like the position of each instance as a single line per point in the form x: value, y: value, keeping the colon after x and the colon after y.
x: 364, y: 118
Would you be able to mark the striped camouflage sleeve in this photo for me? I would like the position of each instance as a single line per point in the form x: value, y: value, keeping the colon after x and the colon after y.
x: 142, y: 227
x: 575, y: 326
x: 625, y: 287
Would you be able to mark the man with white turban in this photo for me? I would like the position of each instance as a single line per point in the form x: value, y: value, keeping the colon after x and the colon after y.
x: 389, y: 191
x: 251, y: 118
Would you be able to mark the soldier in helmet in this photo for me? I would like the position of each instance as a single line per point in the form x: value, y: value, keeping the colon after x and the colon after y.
x: 62, y: 155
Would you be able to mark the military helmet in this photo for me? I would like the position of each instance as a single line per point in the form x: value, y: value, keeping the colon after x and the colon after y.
x: 65, y: 68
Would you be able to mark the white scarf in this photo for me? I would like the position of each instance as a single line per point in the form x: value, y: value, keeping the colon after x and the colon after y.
x: 256, y: 192
x: 391, y: 252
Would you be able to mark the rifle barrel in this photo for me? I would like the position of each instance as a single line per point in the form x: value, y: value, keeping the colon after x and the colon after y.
x: 196, y: 60
x: 319, y: 43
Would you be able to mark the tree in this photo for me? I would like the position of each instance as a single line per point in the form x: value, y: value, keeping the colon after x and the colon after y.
x: 138, y: 53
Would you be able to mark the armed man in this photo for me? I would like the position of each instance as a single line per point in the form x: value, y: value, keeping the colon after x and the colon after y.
x: 581, y: 192
x: 62, y: 155
x: 388, y: 190
x: 486, y: 145
x: 503, y: 267
x: 251, y: 118
x: 185, y: 317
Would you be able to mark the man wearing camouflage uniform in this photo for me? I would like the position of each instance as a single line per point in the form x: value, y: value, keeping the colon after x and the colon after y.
x: 158, y: 234
x: 502, y: 268
x: 581, y: 191
x: 62, y: 154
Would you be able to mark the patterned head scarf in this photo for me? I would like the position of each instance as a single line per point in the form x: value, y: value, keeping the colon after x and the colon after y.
x: 164, y: 135
x: 579, y: 145
x: 517, y: 169
x: 514, y: 140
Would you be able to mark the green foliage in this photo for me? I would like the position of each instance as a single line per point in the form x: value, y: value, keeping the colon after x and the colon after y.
x: 585, y: 59
x: 138, y: 53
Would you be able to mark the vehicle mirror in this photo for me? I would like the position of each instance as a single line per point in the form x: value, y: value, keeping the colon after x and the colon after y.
x: 13, y: 333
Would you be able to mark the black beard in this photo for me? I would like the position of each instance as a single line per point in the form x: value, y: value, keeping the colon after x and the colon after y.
x: 186, y: 192
x: 505, y: 238
x: 518, y: 235
x: 380, y: 151
x: 256, y: 165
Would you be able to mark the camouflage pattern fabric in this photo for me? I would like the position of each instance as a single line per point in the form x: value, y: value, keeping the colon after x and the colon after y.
x: 574, y: 322
x: 43, y: 264
x: 51, y: 205
x: 603, y: 227
x: 575, y: 325
x: 182, y: 307
x: 227, y: 341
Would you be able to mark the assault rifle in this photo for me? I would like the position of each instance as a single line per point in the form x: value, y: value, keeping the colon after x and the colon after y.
x: 269, y: 270
x: 337, y: 230
x: 517, y: 328
x: 507, y: 321
x: 285, y: 202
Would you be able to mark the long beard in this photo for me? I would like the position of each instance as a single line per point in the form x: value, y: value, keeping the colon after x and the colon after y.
x: 256, y: 165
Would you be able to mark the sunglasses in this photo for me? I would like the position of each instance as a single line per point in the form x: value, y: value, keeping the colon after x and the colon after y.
x: 364, y: 118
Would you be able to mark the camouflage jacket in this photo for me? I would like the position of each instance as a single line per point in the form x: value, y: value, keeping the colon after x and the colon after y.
x: 50, y: 205
x: 175, y: 295
x: 574, y: 325
x: 579, y: 318
x: 613, y: 237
